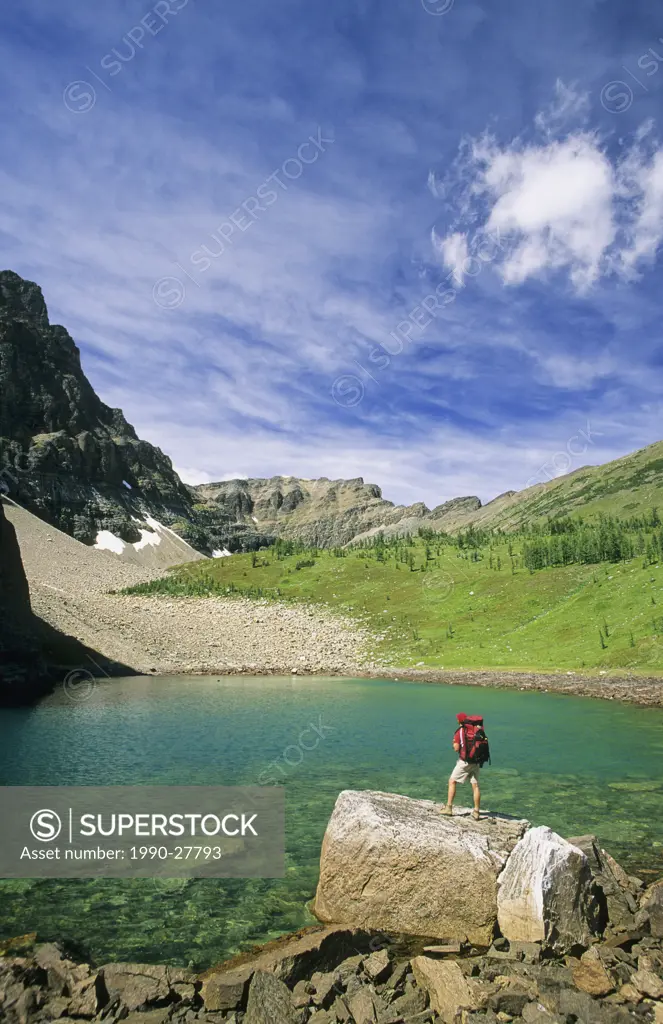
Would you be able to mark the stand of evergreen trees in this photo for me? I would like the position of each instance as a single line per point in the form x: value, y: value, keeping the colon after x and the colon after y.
x: 606, y: 540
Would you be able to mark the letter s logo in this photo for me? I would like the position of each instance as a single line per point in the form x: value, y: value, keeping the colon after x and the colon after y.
x: 45, y: 825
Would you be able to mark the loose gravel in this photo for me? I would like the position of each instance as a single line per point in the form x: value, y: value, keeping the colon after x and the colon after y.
x: 69, y: 586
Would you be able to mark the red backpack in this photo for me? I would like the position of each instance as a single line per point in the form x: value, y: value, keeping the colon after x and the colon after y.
x: 472, y: 739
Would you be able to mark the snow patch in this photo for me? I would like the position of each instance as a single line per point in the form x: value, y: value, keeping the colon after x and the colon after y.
x: 160, y: 528
x: 128, y: 486
x: 107, y: 541
x: 221, y: 554
x: 147, y: 539
x: 254, y: 519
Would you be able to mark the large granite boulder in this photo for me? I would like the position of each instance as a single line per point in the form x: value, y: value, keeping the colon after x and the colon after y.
x: 390, y: 862
x: 546, y: 893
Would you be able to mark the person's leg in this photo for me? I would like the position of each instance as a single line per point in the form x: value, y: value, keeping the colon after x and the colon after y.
x: 476, y: 793
x: 451, y: 793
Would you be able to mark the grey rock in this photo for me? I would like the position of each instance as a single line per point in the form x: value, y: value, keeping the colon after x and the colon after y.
x: 339, y: 1010
x: 350, y: 967
x: 449, y: 990
x: 509, y: 1002
x: 529, y: 952
x: 582, y: 1006
x: 409, y: 1004
x: 399, y: 975
x: 301, y: 995
x: 226, y: 990
x: 546, y: 893
x: 615, y: 889
x: 648, y: 983
x: 326, y: 987
x: 225, y: 987
x: 136, y: 985
x: 652, y: 904
x: 148, y: 1017
x: 377, y: 966
x: 536, y: 1013
x: 361, y: 1005
x: 269, y: 1001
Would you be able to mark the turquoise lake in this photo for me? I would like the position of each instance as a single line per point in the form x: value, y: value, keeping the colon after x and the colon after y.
x: 575, y: 764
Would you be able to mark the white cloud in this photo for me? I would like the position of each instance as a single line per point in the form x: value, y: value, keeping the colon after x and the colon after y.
x: 454, y: 250
x: 569, y: 104
x: 647, y: 227
x: 555, y: 201
x: 563, y: 203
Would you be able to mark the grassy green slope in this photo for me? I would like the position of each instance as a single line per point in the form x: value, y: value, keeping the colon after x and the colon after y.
x: 626, y: 487
x: 452, y: 612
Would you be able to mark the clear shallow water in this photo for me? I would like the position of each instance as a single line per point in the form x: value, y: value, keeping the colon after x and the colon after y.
x: 575, y: 764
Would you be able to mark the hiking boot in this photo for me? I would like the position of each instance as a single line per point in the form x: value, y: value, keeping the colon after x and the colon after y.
x: 447, y: 809
x: 476, y: 815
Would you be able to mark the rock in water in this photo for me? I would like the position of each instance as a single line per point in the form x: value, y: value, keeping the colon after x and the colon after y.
x: 545, y: 893
x: 393, y: 863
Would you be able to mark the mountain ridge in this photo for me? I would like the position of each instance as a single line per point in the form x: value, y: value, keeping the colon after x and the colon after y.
x: 78, y: 464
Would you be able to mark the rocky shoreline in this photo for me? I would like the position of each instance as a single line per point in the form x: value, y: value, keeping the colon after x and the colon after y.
x: 629, y: 689
x: 345, y: 976
x: 644, y: 691
x: 541, y: 930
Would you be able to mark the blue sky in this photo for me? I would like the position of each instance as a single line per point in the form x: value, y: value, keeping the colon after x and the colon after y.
x: 416, y: 241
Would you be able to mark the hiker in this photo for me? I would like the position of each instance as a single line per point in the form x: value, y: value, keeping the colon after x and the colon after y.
x: 471, y: 744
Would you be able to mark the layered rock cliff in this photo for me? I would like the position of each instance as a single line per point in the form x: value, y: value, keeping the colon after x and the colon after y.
x: 68, y: 457
x: 323, y: 512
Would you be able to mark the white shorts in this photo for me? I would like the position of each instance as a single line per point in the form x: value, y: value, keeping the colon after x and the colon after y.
x: 464, y: 771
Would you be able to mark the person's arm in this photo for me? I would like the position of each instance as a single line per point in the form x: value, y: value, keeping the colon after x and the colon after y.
x: 456, y: 741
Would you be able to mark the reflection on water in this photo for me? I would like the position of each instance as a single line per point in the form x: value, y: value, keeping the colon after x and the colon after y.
x: 571, y: 763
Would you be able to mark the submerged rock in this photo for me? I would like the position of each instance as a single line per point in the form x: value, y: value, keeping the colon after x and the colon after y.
x: 395, y: 863
x: 545, y: 893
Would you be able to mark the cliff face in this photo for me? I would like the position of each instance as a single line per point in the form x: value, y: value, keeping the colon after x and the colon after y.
x: 323, y: 512
x: 65, y: 455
